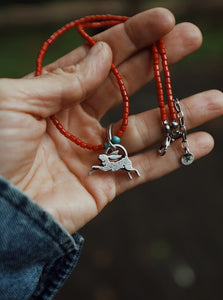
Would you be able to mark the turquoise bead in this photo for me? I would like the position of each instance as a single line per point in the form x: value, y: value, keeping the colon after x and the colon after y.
x: 116, y: 139
x: 106, y: 145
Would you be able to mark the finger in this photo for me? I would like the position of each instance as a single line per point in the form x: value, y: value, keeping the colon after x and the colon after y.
x: 48, y: 94
x: 184, y: 39
x: 145, y: 129
x: 127, y: 38
x: 151, y: 166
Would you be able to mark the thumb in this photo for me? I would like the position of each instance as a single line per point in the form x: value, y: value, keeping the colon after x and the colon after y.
x: 47, y: 94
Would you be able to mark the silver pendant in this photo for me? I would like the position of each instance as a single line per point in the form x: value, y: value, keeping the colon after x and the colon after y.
x: 187, y: 159
x: 115, y: 158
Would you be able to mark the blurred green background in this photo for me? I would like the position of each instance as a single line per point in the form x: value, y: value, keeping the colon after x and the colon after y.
x: 163, y: 240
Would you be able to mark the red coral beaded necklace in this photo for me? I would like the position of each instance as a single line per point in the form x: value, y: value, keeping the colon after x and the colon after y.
x: 112, y: 160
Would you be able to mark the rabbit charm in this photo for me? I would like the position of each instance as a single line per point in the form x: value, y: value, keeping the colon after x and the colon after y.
x: 115, y: 158
x: 114, y: 161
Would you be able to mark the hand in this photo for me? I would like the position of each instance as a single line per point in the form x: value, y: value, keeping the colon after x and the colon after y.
x: 77, y: 88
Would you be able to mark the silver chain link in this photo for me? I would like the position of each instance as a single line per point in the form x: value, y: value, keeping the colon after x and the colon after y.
x: 175, y: 131
x: 182, y: 128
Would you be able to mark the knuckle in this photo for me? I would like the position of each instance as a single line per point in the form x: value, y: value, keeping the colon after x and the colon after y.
x: 8, y: 95
x: 71, y: 77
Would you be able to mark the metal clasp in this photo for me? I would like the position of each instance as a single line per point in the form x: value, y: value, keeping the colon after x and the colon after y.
x: 163, y: 149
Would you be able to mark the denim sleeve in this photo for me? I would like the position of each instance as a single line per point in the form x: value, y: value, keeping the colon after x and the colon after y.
x: 36, y: 253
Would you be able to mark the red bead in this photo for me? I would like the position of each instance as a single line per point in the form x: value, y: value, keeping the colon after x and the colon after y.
x: 159, y: 85
x: 83, y: 144
x: 163, y: 111
x: 170, y: 100
x: 45, y: 46
x: 163, y: 118
x: 161, y: 97
x: 101, y: 147
x: 59, y: 126
x: 42, y: 52
x: 123, y: 128
x: 60, y: 31
x: 126, y: 110
x: 156, y: 67
x: 89, y: 146
x: 119, y: 133
x: 122, y: 88
x: 78, y: 141
x: 160, y: 92
x: 96, y: 147
x: 68, y: 135
x: 120, y: 81
x: 114, y: 69
x: 55, y: 121
x: 168, y: 86
x: 50, y: 41
x: 63, y: 131
x: 124, y: 94
x: 125, y: 116
x: 73, y: 138
x: 71, y: 24
x: 39, y: 60
x: 67, y: 26
x: 161, y: 103
x: 38, y: 72
x: 159, y: 82
x: 167, y: 73
x: 174, y: 116
x: 156, y: 73
x: 125, y: 122
x: 165, y: 69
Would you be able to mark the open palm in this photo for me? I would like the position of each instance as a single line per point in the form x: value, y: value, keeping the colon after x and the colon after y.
x: 79, y: 90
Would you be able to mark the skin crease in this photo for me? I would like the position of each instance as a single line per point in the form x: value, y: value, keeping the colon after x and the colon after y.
x: 53, y: 170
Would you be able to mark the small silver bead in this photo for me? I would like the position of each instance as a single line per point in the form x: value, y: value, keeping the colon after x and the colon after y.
x: 174, y: 124
x: 166, y: 126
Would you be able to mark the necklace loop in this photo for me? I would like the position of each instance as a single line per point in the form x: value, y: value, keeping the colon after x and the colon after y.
x: 174, y: 125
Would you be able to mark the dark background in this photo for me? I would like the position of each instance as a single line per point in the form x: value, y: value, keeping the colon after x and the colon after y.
x: 164, y: 239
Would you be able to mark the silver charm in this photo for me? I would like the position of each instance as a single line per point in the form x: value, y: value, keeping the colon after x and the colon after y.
x: 115, y: 158
x: 187, y: 159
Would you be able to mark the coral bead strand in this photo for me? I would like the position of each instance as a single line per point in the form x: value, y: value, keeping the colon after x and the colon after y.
x: 159, y: 85
x: 159, y: 49
x: 168, y: 86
